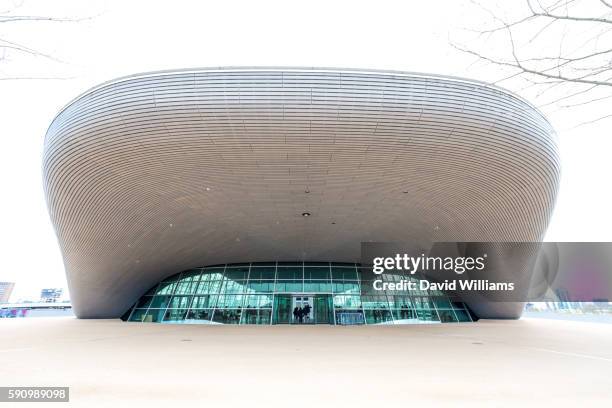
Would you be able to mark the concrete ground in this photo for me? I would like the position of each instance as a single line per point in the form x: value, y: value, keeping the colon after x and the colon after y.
x: 531, y: 362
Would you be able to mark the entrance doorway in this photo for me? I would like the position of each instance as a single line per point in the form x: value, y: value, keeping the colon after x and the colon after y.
x: 304, y: 303
x: 321, y: 308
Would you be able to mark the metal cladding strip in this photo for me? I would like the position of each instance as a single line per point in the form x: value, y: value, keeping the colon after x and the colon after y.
x: 153, y: 174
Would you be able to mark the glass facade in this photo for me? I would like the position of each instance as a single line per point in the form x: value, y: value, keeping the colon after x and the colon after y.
x: 288, y: 293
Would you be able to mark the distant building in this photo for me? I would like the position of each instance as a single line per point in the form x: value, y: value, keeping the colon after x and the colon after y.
x: 6, y: 288
x: 36, y: 309
x: 51, y: 295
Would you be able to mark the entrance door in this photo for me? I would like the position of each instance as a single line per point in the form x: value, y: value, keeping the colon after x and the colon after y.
x: 305, y: 303
x: 323, y: 309
x: 282, y: 309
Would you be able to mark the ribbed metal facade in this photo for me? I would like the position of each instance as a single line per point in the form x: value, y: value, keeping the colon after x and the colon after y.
x: 149, y: 175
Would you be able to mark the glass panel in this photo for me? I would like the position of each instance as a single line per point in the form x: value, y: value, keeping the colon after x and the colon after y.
x: 256, y: 316
x: 323, y: 309
x: 153, y: 315
x: 212, y: 273
x: 200, y: 314
x: 237, y: 273
x: 317, y: 286
x: 175, y: 315
x: 180, y: 302
x: 208, y: 287
x: 286, y: 272
x: 204, y: 302
x: 344, y: 273
x: 349, y: 317
x: 288, y: 286
x: 400, y: 302
x: 377, y: 316
x: 262, y: 273
x: 261, y: 286
x: 280, y: 287
x: 404, y: 314
x: 188, y: 282
x: 447, y: 316
x: 317, y: 273
x: 427, y: 315
x: 442, y: 303
x: 230, y: 301
x: 347, y: 302
x: 253, y: 301
x: 282, y: 309
x: 144, y: 302
x: 422, y: 302
x: 462, y: 316
x: 160, y: 302
x: 347, y: 287
x: 166, y: 288
x: 375, y: 302
x: 458, y: 305
x: 230, y: 286
x: 185, y: 287
x: 227, y: 316
x: 138, y: 315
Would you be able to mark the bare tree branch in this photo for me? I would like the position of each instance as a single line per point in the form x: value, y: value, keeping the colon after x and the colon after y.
x: 573, y: 105
x: 572, y: 95
x: 517, y: 64
x: 545, y: 13
x: 589, y: 122
x: 22, y: 48
x: 7, y: 46
x: 552, y: 44
x: 503, y: 26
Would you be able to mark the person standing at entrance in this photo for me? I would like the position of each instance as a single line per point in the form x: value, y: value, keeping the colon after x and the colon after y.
x: 307, y: 311
x: 296, y: 313
x: 301, y: 315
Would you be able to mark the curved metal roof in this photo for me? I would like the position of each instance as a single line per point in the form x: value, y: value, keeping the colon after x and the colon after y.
x: 152, y: 174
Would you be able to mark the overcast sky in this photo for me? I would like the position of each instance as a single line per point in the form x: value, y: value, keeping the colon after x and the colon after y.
x: 116, y: 38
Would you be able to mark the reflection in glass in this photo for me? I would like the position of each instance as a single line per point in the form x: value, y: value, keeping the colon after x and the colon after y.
x: 175, y: 315
x: 231, y: 316
x: 203, y: 315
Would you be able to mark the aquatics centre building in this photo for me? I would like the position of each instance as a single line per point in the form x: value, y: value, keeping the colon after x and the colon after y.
x: 236, y: 195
